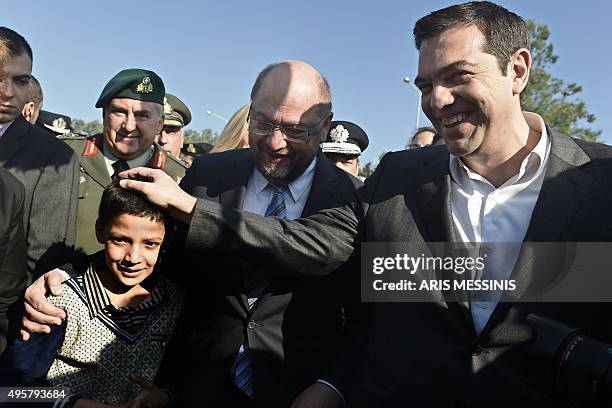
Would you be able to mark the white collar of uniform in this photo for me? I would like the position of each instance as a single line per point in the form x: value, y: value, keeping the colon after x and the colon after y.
x: 296, y: 188
x: 531, y: 166
x: 140, y: 161
x: 4, y: 126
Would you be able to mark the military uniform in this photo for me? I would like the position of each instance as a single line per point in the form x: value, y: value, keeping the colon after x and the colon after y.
x: 94, y: 177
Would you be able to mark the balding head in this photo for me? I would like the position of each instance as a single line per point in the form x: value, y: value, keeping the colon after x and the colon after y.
x: 300, y: 76
x: 290, y: 94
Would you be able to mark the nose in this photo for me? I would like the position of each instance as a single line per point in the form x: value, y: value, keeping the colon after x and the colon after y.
x: 441, y: 97
x: 163, y: 138
x: 130, y: 122
x: 7, y: 90
x: 276, y: 140
x: 133, y: 255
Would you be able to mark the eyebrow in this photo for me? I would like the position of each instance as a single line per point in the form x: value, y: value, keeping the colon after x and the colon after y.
x: 124, y: 110
x: 462, y: 64
x: 257, y: 115
x: 24, y: 76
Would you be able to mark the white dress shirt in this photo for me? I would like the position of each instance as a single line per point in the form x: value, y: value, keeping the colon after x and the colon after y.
x: 482, y: 213
x: 259, y: 192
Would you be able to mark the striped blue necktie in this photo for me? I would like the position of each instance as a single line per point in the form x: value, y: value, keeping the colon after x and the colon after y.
x: 243, y: 368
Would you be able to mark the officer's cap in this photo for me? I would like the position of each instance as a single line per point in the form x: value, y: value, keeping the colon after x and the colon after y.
x: 345, y: 138
x: 55, y: 122
x: 133, y: 83
x: 176, y: 113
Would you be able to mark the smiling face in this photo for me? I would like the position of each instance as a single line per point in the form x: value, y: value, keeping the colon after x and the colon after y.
x: 464, y: 93
x: 130, y: 126
x: 132, y: 246
x: 290, y: 95
x: 14, y: 84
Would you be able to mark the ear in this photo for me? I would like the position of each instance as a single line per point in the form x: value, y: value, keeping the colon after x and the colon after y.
x: 160, y: 124
x: 28, y: 110
x: 326, y: 127
x: 520, y: 67
x: 99, y: 232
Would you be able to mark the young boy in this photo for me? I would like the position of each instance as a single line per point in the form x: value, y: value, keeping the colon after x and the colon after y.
x: 120, y: 315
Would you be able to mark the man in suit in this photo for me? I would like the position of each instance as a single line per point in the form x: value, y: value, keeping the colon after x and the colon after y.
x: 504, y: 176
x: 13, y: 263
x: 45, y: 166
x: 262, y: 341
x: 252, y: 337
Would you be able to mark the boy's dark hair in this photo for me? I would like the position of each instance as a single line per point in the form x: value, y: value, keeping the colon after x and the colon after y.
x: 15, y: 43
x: 117, y: 201
x: 504, y: 31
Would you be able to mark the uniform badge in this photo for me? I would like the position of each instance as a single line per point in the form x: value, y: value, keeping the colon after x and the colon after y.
x: 145, y: 86
x: 191, y: 148
x: 339, y: 134
x: 82, y: 179
x: 59, y: 123
x: 167, y: 107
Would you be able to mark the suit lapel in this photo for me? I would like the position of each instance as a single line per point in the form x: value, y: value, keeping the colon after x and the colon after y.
x: 13, y: 140
x: 322, y: 193
x: 563, y: 190
x: 433, y: 196
x: 237, y: 178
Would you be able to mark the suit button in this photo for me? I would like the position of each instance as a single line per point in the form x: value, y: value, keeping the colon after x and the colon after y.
x: 252, y: 325
x: 476, y: 351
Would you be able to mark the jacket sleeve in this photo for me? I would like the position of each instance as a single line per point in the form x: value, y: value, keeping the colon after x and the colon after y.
x: 25, y: 363
x: 13, y: 273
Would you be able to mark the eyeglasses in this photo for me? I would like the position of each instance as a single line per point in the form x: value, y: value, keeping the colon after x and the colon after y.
x: 296, y: 134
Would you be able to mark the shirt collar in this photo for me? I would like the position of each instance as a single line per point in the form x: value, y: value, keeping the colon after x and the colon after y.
x: 4, y: 126
x: 532, y: 165
x: 98, y: 300
x: 296, y: 188
x: 140, y: 161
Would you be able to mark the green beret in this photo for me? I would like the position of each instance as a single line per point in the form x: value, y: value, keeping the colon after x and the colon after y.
x: 133, y: 83
x: 176, y: 113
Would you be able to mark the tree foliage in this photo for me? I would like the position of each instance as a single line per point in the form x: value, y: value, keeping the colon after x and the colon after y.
x: 550, y: 96
x: 206, y: 136
x: 86, y: 128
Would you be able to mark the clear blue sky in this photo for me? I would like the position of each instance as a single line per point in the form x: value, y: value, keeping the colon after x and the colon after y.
x: 209, y: 52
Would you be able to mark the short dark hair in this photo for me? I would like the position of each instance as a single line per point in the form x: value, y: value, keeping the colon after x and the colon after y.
x: 117, y: 201
x: 15, y: 43
x: 35, y: 93
x: 504, y: 31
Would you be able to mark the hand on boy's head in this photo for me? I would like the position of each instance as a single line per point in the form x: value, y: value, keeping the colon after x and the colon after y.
x: 150, y: 396
x: 39, y: 313
x: 160, y: 189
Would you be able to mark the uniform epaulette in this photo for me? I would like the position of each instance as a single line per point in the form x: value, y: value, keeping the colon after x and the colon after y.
x: 72, y: 136
x: 177, y: 161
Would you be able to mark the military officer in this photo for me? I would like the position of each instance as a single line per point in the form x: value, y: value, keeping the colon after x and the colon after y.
x: 344, y: 144
x: 132, y: 110
x: 176, y: 116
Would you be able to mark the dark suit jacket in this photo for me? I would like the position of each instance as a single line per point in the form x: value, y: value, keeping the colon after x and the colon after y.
x: 295, y: 331
x: 13, y: 272
x: 49, y: 172
x: 427, y: 354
